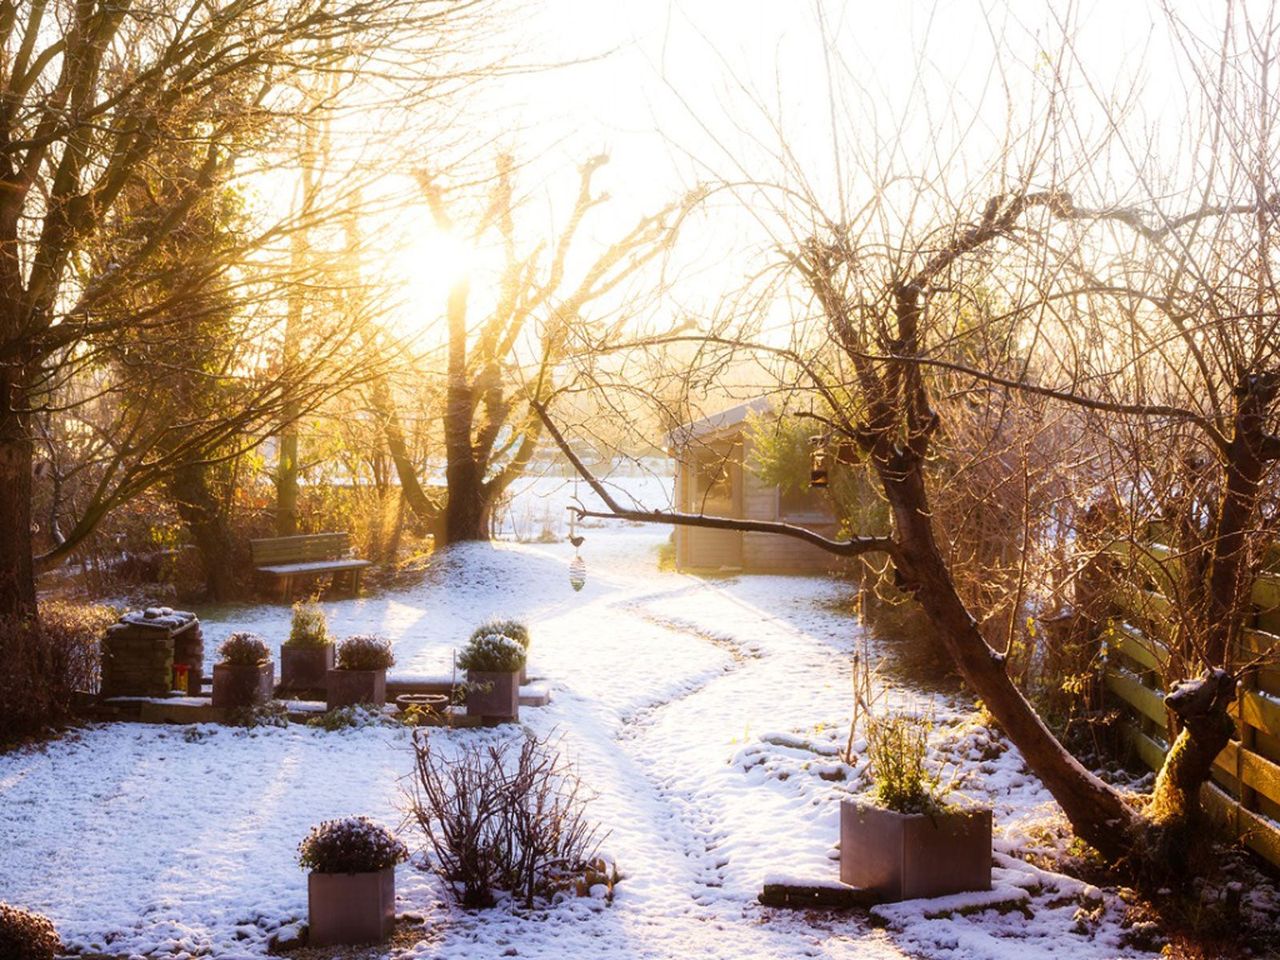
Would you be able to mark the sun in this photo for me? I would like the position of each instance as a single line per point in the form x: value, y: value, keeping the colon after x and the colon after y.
x: 428, y: 263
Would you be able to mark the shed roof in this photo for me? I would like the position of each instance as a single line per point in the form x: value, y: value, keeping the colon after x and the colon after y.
x: 717, y: 423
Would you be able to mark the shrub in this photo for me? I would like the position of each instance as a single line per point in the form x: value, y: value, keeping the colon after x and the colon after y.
x: 896, y: 748
x: 44, y: 662
x: 271, y: 714
x: 498, y: 822
x: 310, y: 628
x: 365, y: 652
x: 27, y: 936
x: 350, y: 845
x: 351, y: 717
x: 244, y: 649
x: 492, y: 653
x: 517, y: 630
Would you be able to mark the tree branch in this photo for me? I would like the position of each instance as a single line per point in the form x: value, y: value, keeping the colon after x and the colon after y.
x: 853, y: 547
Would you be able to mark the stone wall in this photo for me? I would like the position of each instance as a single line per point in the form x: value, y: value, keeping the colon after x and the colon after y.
x: 139, y: 652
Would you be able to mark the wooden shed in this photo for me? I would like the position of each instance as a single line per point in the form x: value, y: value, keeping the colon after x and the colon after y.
x: 713, y: 478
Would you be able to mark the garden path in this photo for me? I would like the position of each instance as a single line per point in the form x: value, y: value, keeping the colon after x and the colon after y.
x: 703, y: 713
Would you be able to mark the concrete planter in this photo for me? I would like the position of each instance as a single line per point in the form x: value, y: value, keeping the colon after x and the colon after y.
x: 304, y: 666
x: 494, y: 696
x: 243, y: 685
x: 347, y: 688
x: 351, y: 908
x: 902, y: 856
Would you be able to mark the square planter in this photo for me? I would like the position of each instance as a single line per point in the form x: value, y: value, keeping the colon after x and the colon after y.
x: 243, y: 685
x: 902, y: 856
x: 305, y: 667
x: 494, y: 696
x: 351, y: 908
x: 349, y: 687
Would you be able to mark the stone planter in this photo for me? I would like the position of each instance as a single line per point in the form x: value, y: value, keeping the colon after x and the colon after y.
x: 494, y: 696
x: 305, y: 666
x: 347, y: 688
x: 351, y: 908
x: 902, y: 856
x: 243, y: 685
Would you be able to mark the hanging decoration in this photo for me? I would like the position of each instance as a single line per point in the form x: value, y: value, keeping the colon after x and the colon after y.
x: 819, y: 462
x: 577, y: 573
x: 577, y: 566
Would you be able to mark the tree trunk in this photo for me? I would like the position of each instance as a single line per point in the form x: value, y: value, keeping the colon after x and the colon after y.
x: 205, y: 521
x: 287, y: 480
x: 466, y: 515
x: 17, y: 572
x: 1098, y: 813
x: 1230, y: 571
x: 1173, y: 813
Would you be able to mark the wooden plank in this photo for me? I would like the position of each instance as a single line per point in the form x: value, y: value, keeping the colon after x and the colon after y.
x: 1130, y: 641
x: 1130, y: 689
x: 310, y: 546
x: 1138, y: 604
x: 1260, y: 710
x: 1258, y: 833
x: 1266, y: 593
x: 1149, y: 750
x: 1255, y: 771
x: 1156, y: 560
x: 1259, y: 643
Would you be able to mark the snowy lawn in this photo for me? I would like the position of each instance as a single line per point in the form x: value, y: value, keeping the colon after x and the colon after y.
x: 705, y: 714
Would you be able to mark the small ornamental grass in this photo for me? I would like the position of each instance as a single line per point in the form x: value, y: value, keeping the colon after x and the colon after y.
x: 27, y: 936
x: 365, y: 652
x: 517, y: 630
x: 309, y: 628
x: 896, y: 748
x: 244, y: 650
x: 492, y: 653
x: 350, y: 845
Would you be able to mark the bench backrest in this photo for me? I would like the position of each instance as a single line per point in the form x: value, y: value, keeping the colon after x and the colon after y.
x: 305, y: 548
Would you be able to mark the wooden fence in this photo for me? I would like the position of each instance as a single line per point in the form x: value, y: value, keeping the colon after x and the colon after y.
x: 1244, y: 797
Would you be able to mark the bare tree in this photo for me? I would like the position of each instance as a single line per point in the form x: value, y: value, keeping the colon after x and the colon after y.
x: 498, y: 365
x: 91, y: 94
x: 1146, y: 326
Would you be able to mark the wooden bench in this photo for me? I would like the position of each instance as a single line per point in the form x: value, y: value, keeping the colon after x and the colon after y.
x: 287, y: 559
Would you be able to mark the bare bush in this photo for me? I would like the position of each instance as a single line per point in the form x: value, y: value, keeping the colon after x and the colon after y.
x: 502, y: 817
x: 45, y: 663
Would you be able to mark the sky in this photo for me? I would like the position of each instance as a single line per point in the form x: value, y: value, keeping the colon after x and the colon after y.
x: 681, y: 92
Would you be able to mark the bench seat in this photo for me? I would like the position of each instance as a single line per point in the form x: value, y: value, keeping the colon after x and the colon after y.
x: 315, y: 566
x: 287, y: 559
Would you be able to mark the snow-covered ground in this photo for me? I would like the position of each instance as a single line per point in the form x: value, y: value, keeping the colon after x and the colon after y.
x: 705, y: 714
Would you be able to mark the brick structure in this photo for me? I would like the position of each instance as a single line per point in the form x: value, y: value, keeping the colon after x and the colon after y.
x: 139, y: 653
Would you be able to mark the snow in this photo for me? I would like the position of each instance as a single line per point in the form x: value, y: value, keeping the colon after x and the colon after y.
x: 707, y: 716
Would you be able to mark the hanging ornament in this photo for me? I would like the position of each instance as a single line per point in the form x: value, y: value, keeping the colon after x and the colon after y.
x: 577, y: 566
x: 577, y: 573
x: 818, y: 462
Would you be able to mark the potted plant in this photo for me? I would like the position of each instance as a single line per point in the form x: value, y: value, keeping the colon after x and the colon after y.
x: 517, y: 630
x: 361, y: 672
x: 26, y: 935
x: 910, y: 842
x: 246, y: 676
x: 307, y: 656
x: 351, y: 890
x: 493, y: 663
